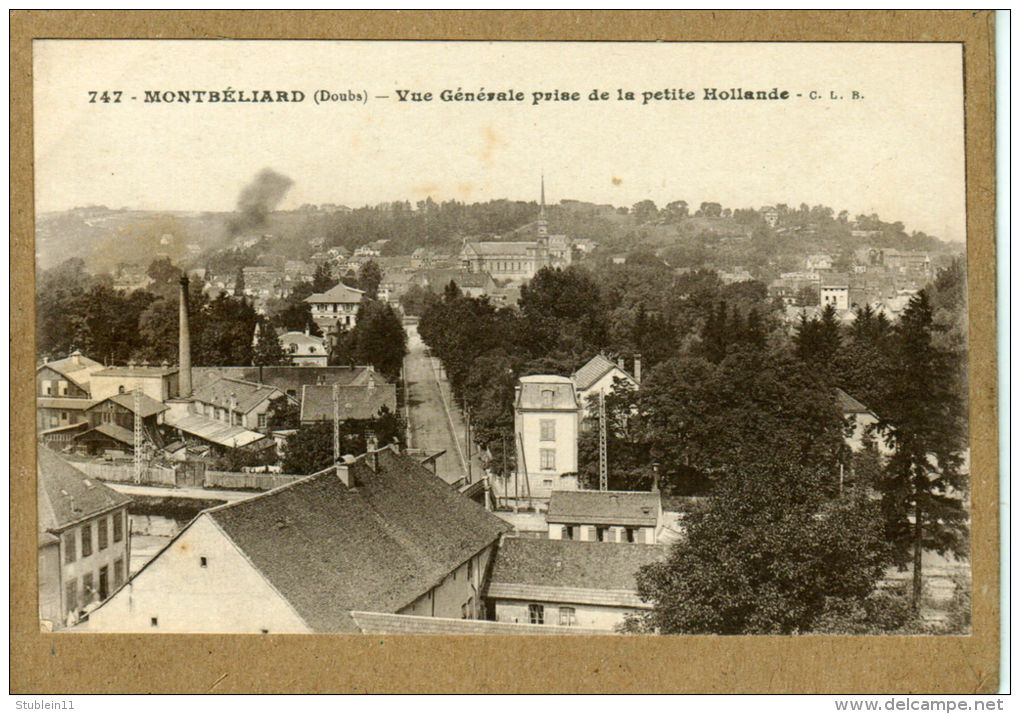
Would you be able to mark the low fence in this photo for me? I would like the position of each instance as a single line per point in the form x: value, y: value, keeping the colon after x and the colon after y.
x: 125, y: 473
x: 184, y: 476
x: 246, y: 481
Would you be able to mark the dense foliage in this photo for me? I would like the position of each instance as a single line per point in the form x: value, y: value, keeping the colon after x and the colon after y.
x: 310, y: 447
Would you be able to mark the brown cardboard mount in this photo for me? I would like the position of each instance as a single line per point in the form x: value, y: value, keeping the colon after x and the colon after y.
x: 94, y: 663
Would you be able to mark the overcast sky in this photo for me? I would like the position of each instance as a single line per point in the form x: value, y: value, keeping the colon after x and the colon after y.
x: 897, y: 152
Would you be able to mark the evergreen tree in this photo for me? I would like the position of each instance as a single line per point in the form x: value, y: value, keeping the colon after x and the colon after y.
x: 267, y: 349
x: 924, y: 422
x: 369, y: 278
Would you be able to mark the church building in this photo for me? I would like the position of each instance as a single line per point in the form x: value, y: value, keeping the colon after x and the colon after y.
x: 518, y: 261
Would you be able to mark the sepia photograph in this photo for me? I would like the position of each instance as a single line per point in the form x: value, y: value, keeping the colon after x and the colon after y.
x: 617, y: 339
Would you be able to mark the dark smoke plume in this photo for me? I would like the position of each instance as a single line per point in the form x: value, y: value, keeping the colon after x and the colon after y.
x: 257, y: 200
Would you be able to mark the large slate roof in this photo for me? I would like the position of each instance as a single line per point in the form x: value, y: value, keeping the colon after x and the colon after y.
x: 570, y: 570
x: 339, y: 293
x: 287, y: 377
x: 220, y: 392
x: 530, y: 395
x: 620, y: 508
x: 354, y: 402
x: 67, y: 496
x: 378, y: 546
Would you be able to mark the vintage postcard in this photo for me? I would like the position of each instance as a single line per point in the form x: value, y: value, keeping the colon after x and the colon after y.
x: 526, y: 340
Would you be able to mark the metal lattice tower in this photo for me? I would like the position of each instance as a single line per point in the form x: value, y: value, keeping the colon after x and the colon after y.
x: 139, y: 436
x: 336, y: 423
x: 603, y: 465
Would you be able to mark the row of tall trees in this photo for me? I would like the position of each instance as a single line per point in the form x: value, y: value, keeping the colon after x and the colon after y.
x: 76, y: 311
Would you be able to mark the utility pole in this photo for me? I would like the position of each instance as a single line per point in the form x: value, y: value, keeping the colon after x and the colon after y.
x: 603, y: 466
x: 336, y: 424
x: 139, y: 437
x: 467, y: 438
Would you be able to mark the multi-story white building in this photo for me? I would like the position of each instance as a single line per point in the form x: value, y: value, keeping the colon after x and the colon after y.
x: 337, y: 307
x: 547, y: 417
x: 835, y: 291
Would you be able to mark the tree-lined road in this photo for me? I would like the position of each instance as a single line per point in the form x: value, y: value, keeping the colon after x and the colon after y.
x: 435, y: 421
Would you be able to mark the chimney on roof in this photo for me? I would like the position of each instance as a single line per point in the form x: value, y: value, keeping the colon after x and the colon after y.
x: 372, y: 458
x: 655, y: 477
x: 371, y: 381
x: 343, y: 470
x: 619, y: 363
x: 184, y: 341
x: 76, y: 358
x: 233, y: 401
x: 637, y: 368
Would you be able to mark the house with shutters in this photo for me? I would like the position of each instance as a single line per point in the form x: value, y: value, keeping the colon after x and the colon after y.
x: 379, y: 533
x: 561, y: 583
x: 337, y: 308
x: 84, y: 541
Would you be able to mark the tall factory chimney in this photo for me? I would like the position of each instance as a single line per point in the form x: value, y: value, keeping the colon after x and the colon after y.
x: 184, y: 342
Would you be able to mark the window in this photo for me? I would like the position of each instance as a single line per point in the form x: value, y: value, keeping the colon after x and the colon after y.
x: 470, y: 569
x: 118, y: 572
x: 262, y: 421
x: 203, y: 561
x: 107, y: 417
x: 547, y: 459
x: 47, y: 387
x: 53, y: 419
x: 104, y: 582
x: 629, y: 535
x: 568, y: 533
x: 86, y: 540
x: 120, y: 389
x: 118, y: 526
x: 601, y: 533
x: 536, y: 614
x: 568, y: 617
x: 63, y: 388
x: 63, y: 416
x: 547, y: 397
x: 548, y: 429
x: 70, y: 551
x: 88, y: 591
x: 465, y: 611
x: 104, y: 534
x: 154, y: 622
x: 71, y: 595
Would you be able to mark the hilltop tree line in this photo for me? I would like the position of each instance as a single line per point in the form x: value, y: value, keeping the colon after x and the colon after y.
x: 795, y: 531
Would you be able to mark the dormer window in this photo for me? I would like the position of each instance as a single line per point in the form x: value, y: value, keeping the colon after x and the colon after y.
x: 547, y: 397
